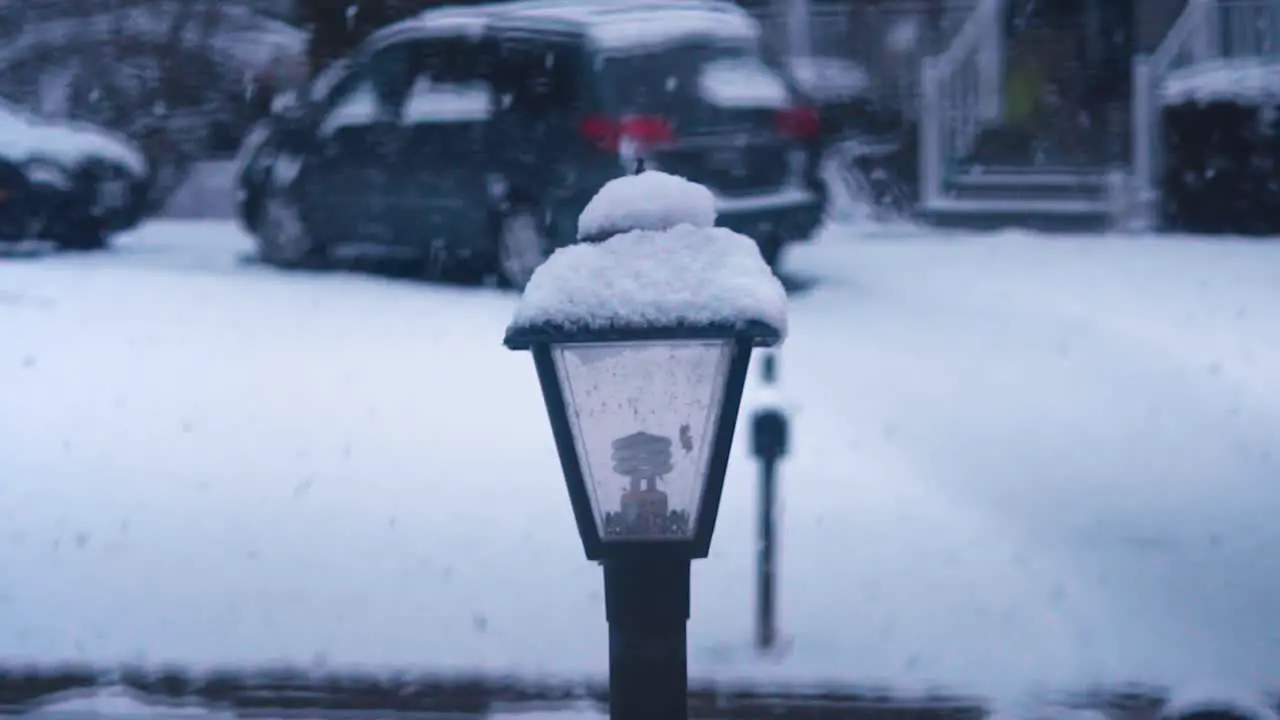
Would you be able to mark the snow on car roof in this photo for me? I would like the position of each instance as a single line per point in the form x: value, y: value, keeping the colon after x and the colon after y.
x: 640, y: 28
x: 611, y: 24
x: 25, y: 135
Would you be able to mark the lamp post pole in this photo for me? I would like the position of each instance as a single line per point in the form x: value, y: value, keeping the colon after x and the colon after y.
x: 647, y: 606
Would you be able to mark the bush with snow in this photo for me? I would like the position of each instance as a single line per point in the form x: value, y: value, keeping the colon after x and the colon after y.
x: 1243, y: 81
x: 1220, y: 137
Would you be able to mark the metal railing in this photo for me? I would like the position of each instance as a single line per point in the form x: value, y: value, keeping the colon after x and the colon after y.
x: 961, y: 92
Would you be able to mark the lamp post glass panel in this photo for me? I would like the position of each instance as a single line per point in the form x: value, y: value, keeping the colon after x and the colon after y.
x: 643, y: 417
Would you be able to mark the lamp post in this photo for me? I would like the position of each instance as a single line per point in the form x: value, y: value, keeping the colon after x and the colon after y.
x: 641, y: 342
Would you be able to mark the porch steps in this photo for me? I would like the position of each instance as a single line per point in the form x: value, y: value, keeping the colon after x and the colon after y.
x: 1044, y: 199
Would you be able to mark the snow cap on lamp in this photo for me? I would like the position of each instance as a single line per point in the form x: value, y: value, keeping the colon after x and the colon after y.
x: 664, y: 266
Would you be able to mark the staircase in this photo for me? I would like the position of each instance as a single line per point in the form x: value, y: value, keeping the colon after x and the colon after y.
x: 1042, y: 198
x: 962, y: 101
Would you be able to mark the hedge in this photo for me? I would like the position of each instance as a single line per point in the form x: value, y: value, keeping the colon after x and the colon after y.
x: 1221, y: 149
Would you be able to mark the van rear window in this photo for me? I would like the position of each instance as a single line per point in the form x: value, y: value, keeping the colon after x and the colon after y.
x: 673, y: 80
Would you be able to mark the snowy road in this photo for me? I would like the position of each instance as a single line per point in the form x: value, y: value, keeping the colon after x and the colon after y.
x: 1019, y: 462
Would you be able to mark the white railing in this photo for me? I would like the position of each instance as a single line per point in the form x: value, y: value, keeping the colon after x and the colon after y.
x: 961, y: 92
x: 1195, y: 37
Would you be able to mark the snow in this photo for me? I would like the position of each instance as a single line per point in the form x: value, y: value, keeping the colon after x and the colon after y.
x: 250, y: 144
x: 830, y: 78
x: 610, y: 25
x: 45, y: 173
x: 666, y: 264
x: 738, y: 83
x: 24, y: 137
x: 1017, y: 463
x: 1243, y: 702
x: 359, y: 108
x: 651, y: 200
x: 1246, y: 81
x: 640, y: 279
x: 649, y: 29
x: 119, y: 702
x: 444, y: 103
x: 81, y: 140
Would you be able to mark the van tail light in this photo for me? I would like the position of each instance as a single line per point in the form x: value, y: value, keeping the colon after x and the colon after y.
x: 799, y: 123
x: 609, y: 134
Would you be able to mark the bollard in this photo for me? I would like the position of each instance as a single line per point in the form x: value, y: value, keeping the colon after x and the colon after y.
x: 769, y: 445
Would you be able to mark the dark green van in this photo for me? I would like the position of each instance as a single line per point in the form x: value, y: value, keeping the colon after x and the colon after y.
x: 472, y: 137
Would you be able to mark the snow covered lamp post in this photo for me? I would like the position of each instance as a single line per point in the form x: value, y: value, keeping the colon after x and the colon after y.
x: 641, y: 336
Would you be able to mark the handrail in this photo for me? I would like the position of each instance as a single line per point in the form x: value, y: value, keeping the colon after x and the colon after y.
x: 961, y: 89
x: 1194, y: 35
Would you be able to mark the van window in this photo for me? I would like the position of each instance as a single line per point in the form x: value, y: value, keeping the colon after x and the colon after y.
x: 536, y: 77
x: 694, y: 82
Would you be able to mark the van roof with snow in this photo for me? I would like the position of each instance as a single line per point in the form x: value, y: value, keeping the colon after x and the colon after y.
x: 607, y: 24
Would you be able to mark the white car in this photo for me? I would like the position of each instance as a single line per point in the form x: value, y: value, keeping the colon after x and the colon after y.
x: 66, y: 181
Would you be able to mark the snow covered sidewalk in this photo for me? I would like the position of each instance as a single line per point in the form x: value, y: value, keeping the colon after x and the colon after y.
x: 1019, y: 463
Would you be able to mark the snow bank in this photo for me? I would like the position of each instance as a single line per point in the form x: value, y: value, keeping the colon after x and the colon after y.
x: 1245, y: 81
x: 1233, y: 698
x: 669, y: 266
x: 120, y: 702
x: 651, y: 200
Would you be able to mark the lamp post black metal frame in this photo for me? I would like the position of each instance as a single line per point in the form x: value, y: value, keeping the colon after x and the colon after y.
x: 647, y: 583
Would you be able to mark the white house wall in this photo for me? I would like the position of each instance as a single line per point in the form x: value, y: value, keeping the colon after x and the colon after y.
x: 889, y: 38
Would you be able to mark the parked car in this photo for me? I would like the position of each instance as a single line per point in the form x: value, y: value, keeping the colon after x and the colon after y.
x: 73, y: 183
x: 473, y: 137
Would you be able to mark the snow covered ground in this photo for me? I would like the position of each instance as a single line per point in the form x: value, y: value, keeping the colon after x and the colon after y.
x: 1019, y: 463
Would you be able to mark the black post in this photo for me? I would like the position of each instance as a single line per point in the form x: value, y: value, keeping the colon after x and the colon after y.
x: 766, y: 580
x: 647, y: 605
x: 768, y: 444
